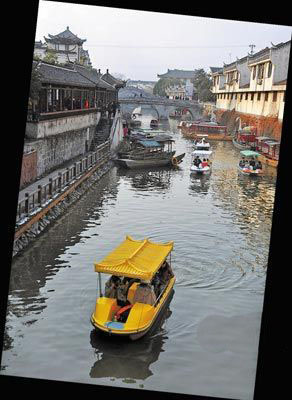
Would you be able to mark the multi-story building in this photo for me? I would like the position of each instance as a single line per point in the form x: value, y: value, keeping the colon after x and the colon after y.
x: 253, y: 88
x: 185, y: 90
x: 66, y: 46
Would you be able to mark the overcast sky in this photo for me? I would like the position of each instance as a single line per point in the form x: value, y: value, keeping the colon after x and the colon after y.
x: 142, y: 44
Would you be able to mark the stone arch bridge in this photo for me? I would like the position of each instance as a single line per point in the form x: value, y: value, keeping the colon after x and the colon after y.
x: 161, y: 108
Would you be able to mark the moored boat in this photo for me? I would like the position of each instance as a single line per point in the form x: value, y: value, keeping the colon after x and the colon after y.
x: 147, y: 284
x: 245, y: 138
x: 154, y: 123
x: 212, y: 129
x: 249, y: 164
x: 269, y: 150
x: 150, y: 152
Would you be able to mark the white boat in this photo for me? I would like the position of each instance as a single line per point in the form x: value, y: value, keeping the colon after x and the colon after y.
x: 137, y: 113
x: 201, y: 143
x: 201, y: 169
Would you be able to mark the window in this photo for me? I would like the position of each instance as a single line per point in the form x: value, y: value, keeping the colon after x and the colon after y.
x: 235, y: 96
x: 275, y: 96
x: 266, y: 96
x: 270, y: 65
x: 254, y: 72
x: 251, y: 96
x: 246, y: 96
x: 241, y: 96
x: 259, y: 96
x: 261, y: 71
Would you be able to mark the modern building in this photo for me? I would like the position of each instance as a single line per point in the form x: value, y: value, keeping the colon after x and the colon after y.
x: 254, y: 87
x: 65, y: 46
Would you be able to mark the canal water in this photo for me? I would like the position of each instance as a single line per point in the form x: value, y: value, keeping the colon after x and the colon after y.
x: 207, y: 341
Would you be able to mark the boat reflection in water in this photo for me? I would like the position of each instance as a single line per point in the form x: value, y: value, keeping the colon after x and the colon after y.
x: 199, y: 184
x: 148, y: 178
x: 118, y: 358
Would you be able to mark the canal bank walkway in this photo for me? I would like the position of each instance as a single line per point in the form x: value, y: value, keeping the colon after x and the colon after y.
x: 33, y: 187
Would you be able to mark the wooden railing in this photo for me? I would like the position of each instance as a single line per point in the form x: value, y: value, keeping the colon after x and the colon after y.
x: 35, y: 201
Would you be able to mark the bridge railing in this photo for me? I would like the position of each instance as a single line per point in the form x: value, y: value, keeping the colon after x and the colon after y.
x: 35, y: 201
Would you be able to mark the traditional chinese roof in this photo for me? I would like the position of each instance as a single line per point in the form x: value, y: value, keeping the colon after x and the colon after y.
x: 66, y: 37
x: 64, y: 76
x: 117, y: 83
x: 135, y: 259
x: 178, y: 74
x: 216, y: 70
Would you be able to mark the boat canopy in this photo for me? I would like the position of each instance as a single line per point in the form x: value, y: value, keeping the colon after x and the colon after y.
x: 249, y: 153
x: 135, y: 259
x: 149, y: 143
x: 202, y: 153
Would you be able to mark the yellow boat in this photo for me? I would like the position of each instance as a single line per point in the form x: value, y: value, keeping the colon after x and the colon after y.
x: 140, y: 260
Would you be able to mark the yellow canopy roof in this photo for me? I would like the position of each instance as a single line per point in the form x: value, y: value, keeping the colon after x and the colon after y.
x: 135, y: 259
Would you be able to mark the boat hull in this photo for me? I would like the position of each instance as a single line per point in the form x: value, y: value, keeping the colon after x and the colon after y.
x: 216, y: 136
x: 248, y: 172
x: 241, y: 146
x: 137, y: 333
x: 268, y: 161
x: 128, y: 163
x: 200, y: 171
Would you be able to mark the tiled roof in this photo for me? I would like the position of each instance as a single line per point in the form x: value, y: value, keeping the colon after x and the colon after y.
x: 64, y: 76
x: 215, y: 70
x: 65, y: 37
x: 179, y: 74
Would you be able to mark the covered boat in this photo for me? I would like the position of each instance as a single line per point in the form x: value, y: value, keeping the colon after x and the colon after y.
x: 201, y: 162
x: 249, y: 163
x: 269, y: 150
x: 140, y: 262
x: 150, y: 152
x: 245, y: 138
x: 212, y: 129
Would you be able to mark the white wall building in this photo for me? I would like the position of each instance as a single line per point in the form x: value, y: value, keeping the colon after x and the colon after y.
x: 255, y: 84
x: 66, y: 46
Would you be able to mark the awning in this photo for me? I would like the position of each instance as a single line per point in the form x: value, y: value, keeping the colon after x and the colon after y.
x: 149, y: 143
x: 249, y: 153
x: 135, y: 259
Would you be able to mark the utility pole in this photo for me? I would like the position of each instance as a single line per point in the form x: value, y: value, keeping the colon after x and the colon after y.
x: 251, y: 46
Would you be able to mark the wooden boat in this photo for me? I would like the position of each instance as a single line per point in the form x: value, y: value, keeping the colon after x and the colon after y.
x: 150, y: 152
x: 212, y: 129
x: 245, y: 138
x: 268, y: 149
x: 199, y: 169
x: 246, y: 169
x: 154, y: 123
x: 138, y: 260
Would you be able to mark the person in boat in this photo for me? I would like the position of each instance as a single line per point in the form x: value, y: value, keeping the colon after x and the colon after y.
x: 164, y: 275
x: 252, y: 163
x: 242, y: 162
x: 204, y: 163
x: 122, y: 291
x: 258, y: 165
x: 144, y: 294
x: 111, y: 287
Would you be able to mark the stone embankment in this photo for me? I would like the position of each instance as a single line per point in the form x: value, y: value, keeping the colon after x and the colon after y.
x: 34, y: 222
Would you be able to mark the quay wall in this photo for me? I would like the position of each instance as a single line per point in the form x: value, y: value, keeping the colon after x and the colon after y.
x: 29, y: 168
x: 54, y: 142
x: 266, y: 125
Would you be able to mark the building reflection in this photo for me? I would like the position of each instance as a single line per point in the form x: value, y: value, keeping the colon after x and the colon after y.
x: 119, y: 358
x: 42, y: 260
